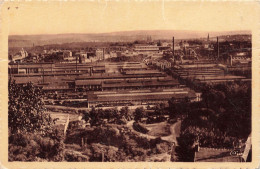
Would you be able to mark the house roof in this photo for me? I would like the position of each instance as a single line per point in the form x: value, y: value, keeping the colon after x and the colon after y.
x: 214, y: 155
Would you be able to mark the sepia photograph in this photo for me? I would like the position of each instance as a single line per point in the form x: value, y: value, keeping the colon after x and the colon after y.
x: 114, y: 81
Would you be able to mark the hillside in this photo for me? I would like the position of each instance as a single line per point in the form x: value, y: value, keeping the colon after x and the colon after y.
x: 30, y: 40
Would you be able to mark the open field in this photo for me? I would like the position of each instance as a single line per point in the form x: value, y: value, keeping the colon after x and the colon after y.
x: 158, y: 129
x: 62, y: 117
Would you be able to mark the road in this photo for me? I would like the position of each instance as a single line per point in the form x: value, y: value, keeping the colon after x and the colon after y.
x: 175, y: 132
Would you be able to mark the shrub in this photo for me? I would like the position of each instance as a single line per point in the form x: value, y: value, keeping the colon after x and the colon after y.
x: 32, y: 147
x: 140, y: 128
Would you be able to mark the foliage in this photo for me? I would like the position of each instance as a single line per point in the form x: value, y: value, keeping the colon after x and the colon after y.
x: 26, y: 110
x: 32, y: 136
x: 224, y: 107
x: 117, y: 143
x: 123, y: 58
x: 219, y: 120
x: 96, y: 117
x: 109, y: 153
x: 184, y: 150
x: 139, y: 113
x: 54, y: 57
x: 140, y: 128
x: 232, y: 106
x: 35, y: 147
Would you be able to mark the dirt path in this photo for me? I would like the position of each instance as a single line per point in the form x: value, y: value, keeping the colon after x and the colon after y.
x: 130, y: 126
x: 174, y: 129
x: 175, y: 132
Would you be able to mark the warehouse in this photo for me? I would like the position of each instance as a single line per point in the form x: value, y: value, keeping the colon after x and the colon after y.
x: 139, y: 97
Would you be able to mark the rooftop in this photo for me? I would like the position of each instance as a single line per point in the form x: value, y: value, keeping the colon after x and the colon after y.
x: 219, y: 77
x: 118, y: 76
x: 139, y: 96
x: 110, y: 83
x: 198, y: 66
x: 214, y: 155
x: 143, y: 72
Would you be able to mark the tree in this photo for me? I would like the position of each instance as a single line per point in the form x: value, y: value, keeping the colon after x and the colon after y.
x: 159, y: 43
x: 185, y: 151
x: 138, y: 114
x: 125, y: 112
x: 26, y: 110
x: 94, y: 116
x: 172, y: 109
x: 32, y: 135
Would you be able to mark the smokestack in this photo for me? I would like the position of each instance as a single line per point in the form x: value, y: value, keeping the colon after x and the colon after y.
x: 218, y: 46
x: 173, y: 47
x: 76, y: 63
x: 103, y: 54
x: 231, y: 60
x: 90, y: 71
x: 17, y: 67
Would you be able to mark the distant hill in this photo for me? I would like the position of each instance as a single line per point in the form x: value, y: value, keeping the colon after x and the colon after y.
x: 124, y: 36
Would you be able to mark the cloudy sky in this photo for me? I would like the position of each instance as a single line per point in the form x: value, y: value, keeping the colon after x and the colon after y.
x: 103, y: 16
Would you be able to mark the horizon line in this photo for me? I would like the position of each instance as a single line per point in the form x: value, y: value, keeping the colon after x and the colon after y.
x: 131, y: 31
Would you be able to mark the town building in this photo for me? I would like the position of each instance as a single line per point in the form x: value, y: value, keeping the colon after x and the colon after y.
x: 18, y: 57
x: 100, y: 54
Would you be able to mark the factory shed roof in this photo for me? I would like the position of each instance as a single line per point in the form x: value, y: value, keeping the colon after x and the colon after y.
x: 219, y: 77
x: 140, y: 83
x: 31, y: 66
x: 87, y: 82
x: 140, y: 97
x: 119, y: 76
x: 142, y: 72
x: 198, y: 66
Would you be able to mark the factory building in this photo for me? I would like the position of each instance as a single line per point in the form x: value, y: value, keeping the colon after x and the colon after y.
x: 147, y: 48
x: 138, y: 97
x: 100, y: 54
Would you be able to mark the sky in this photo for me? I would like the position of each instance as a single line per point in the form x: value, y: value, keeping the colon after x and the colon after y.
x: 46, y: 17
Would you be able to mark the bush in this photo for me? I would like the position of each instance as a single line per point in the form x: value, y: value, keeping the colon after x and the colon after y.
x: 33, y: 147
x: 32, y: 136
x: 163, y: 147
x: 140, y: 128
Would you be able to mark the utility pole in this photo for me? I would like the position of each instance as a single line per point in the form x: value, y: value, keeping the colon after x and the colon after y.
x: 42, y: 75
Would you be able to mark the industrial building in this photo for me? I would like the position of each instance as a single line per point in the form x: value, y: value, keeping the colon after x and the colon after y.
x: 124, y: 83
x: 139, y: 97
x: 206, y: 73
x: 148, y: 49
x: 127, y: 82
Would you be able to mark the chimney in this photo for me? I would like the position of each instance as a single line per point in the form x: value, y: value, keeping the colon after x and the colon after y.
x: 173, y: 47
x: 218, y: 46
x: 231, y: 60
x: 17, y: 67
x: 90, y: 71
x: 76, y: 63
x: 103, y: 54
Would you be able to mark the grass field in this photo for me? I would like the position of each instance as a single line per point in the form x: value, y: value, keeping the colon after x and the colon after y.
x: 158, y: 129
x: 166, y: 131
x: 62, y: 117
